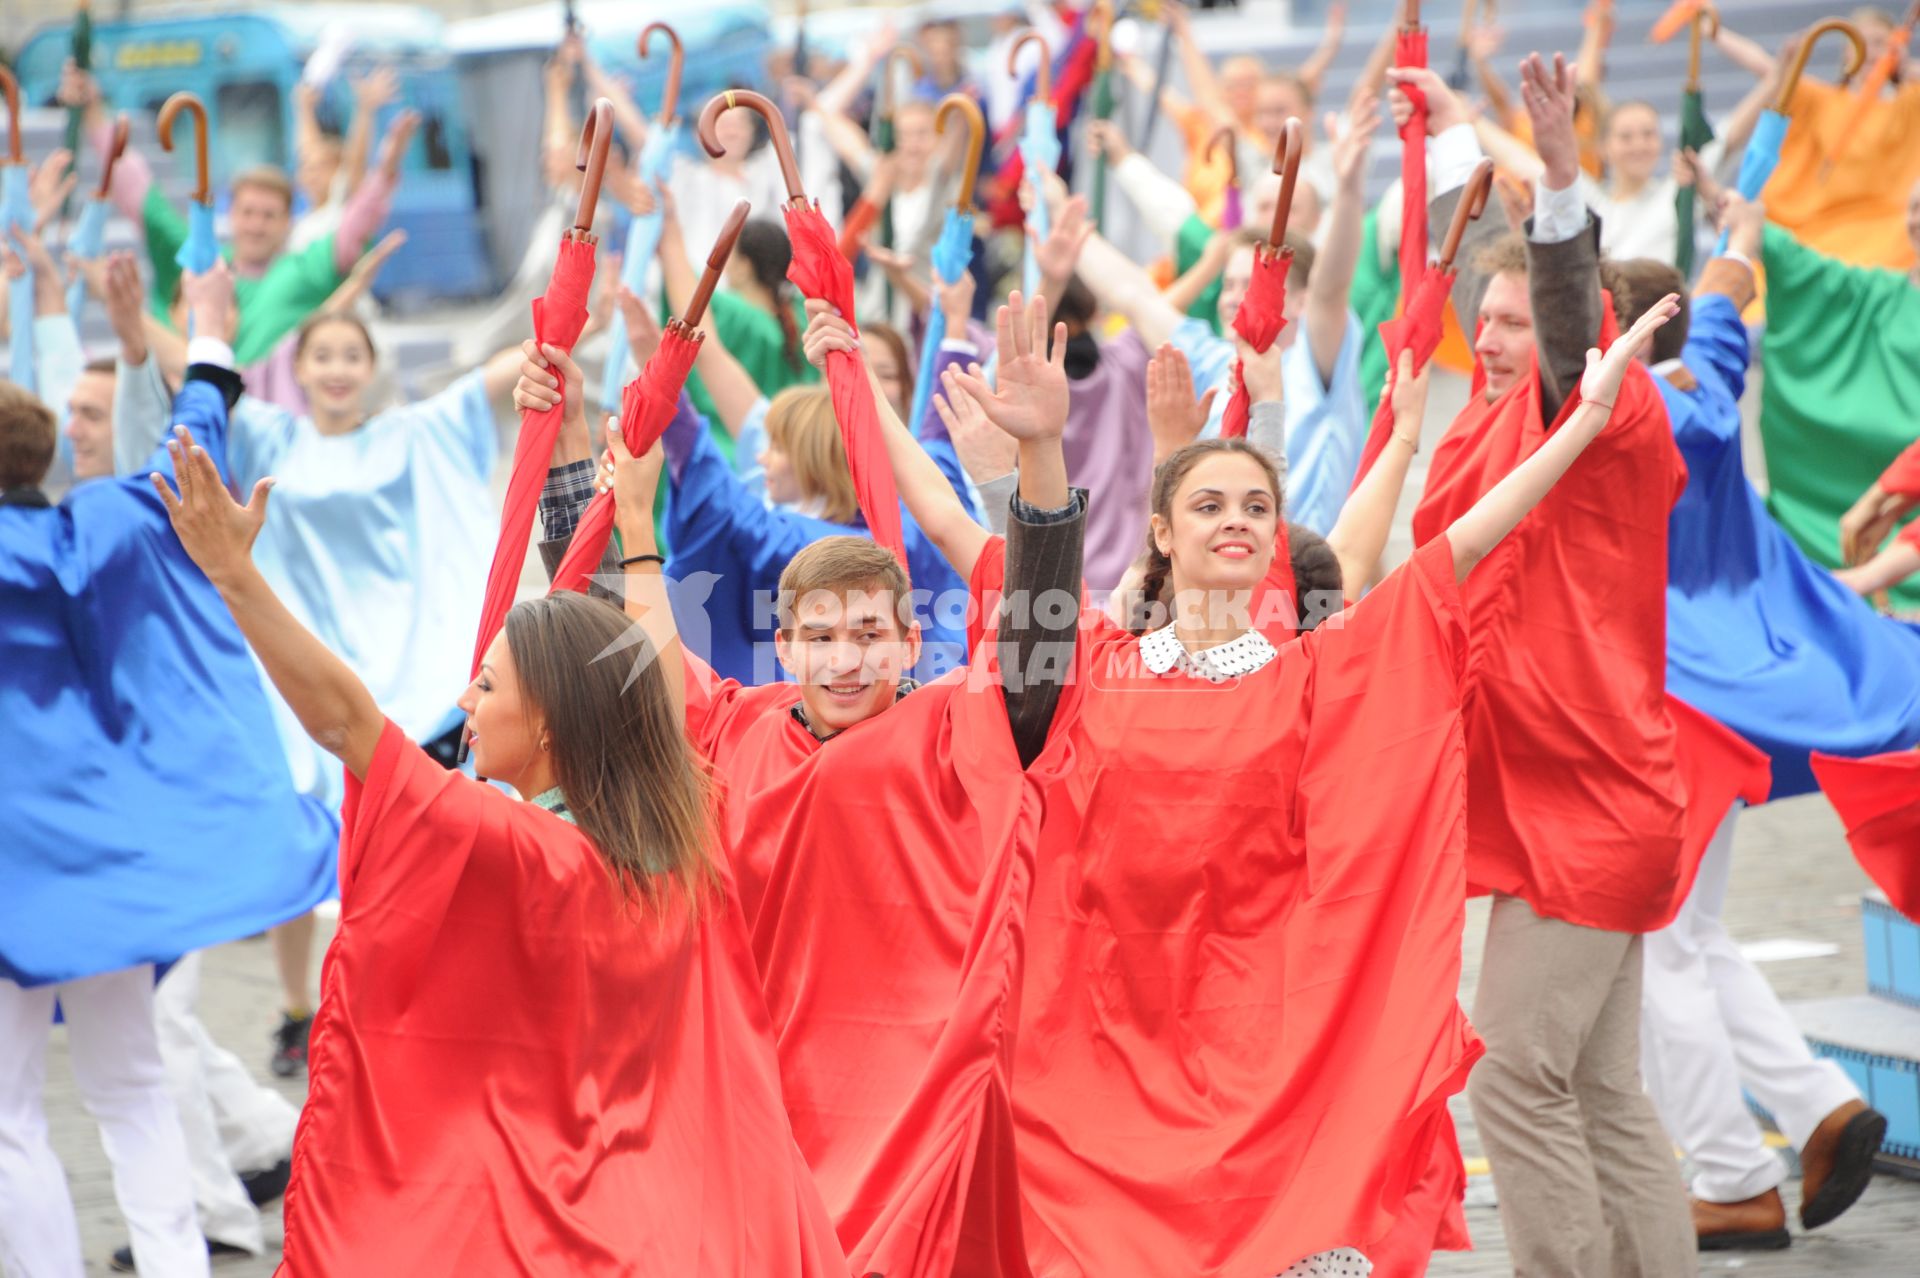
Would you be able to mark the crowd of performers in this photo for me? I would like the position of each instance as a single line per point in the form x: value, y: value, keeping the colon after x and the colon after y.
x: 988, y: 808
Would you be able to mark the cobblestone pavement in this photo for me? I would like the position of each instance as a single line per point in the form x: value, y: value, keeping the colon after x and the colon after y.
x: 1792, y: 879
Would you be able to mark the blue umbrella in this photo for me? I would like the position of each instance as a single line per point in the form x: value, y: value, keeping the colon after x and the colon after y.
x: 90, y: 232
x: 1762, y: 155
x: 16, y: 209
x: 643, y: 231
x: 952, y: 255
x: 201, y: 249
x: 953, y: 251
x: 1039, y: 150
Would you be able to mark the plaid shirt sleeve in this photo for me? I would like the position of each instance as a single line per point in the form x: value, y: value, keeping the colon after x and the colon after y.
x: 564, y: 496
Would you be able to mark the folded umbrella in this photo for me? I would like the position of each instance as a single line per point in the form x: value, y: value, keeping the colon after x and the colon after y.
x: 1677, y: 16
x: 1410, y: 51
x: 1039, y: 156
x: 643, y: 231
x: 558, y: 316
x: 1102, y: 13
x: 201, y: 249
x: 647, y: 405
x: 1877, y: 76
x: 90, y: 232
x: 1878, y: 799
x: 1231, y: 214
x: 953, y: 251
x: 1262, y: 313
x: 1695, y: 132
x: 16, y: 209
x: 1418, y: 327
x: 1762, y: 155
x: 822, y: 272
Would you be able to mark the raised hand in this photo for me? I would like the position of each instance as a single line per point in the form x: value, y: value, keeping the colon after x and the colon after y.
x: 1174, y: 416
x: 1260, y: 374
x: 52, y: 181
x: 1408, y: 396
x: 985, y: 451
x: 955, y: 301
x: 1600, y: 385
x: 1745, y: 222
x: 826, y: 333
x: 209, y: 299
x: 125, y: 298
x: 1031, y: 401
x: 393, y: 148
x: 376, y: 89
x: 1067, y: 234
x: 217, y: 531
x: 546, y: 373
x: 1868, y: 522
x: 1352, y: 137
x: 1444, y: 107
x: 1548, y: 93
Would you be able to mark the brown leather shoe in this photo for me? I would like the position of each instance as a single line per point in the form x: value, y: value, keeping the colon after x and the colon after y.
x: 1837, y: 1162
x: 1758, y: 1224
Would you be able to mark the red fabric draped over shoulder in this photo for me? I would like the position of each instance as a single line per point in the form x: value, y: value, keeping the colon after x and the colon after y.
x: 469, y: 1110
x: 1238, y: 1025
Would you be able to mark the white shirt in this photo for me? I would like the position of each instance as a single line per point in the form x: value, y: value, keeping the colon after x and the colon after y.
x: 1162, y: 653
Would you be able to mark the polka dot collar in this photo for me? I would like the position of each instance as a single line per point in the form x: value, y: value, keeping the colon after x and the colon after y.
x: 1162, y: 653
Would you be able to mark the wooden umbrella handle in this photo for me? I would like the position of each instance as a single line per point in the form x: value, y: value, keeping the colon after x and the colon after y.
x: 976, y: 142
x: 898, y: 53
x: 1223, y: 136
x: 1043, y: 76
x: 115, y: 149
x: 596, y: 135
x: 1102, y: 13
x: 188, y: 102
x: 776, y: 132
x: 677, y: 57
x: 716, y: 263
x: 1704, y: 25
x: 1799, y: 65
x: 1473, y: 202
x: 1410, y: 19
x: 11, y: 87
x: 1286, y: 162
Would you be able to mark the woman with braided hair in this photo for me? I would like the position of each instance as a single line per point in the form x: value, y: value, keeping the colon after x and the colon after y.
x: 1238, y: 1024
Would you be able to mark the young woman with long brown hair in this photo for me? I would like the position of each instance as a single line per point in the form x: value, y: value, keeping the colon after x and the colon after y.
x: 539, y: 1040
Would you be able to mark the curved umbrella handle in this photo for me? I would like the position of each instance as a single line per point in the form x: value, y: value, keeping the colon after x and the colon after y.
x: 1223, y: 137
x: 1473, y: 202
x: 115, y: 149
x: 716, y: 263
x: 1102, y: 13
x: 976, y: 142
x: 677, y: 57
x: 190, y: 103
x: 11, y: 87
x: 776, y: 132
x: 596, y: 135
x: 1043, y: 75
x: 1799, y: 66
x: 1706, y: 16
x: 1286, y: 162
x: 898, y: 53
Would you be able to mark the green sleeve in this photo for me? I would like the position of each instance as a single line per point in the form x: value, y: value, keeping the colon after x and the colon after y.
x: 754, y: 338
x: 1375, y: 296
x: 294, y: 287
x: 1840, y: 391
x: 1188, y: 244
x: 166, y: 232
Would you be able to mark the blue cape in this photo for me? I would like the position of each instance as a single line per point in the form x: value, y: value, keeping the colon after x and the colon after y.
x: 1758, y: 635
x: 147, y: 809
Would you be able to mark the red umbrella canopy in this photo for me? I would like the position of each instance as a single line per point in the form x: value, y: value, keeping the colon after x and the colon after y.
x: 1410, y: 50
x: 1261, y: 316
x: 558, y: 316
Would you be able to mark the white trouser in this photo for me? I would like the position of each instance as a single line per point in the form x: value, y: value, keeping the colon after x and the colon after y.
x: 1710, y: 1025
x: 116, y: 1062
x: 232, y: 1123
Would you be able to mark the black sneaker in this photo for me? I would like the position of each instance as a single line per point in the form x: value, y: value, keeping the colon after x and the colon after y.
x: 290, y: 1046
x: 268, y: 1183
x: 122, y: 1262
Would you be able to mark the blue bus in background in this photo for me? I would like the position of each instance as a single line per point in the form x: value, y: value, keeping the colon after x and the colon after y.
x: 470, y: 187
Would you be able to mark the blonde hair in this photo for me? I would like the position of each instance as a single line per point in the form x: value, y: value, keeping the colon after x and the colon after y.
x: 801, y: 424
x: 264, y: 177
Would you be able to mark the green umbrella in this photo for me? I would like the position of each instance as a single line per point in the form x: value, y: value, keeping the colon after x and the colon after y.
x: 82, y: 47
x: 1695, y: 133
x: 1102, y: 14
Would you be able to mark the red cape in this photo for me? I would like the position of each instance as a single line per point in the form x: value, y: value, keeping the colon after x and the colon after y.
x: 1878, y: 800
x: 1239, y: 1021
x: 514, y: 1071
x: 886, y: 874
x: 1580, y: 797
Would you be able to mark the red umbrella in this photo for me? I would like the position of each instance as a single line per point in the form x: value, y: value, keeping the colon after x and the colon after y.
x: 820, y: 271
x: 647, y: 404
x: 558, y: 317
x: 1262, y: 313
x: 1410, y: 50
x: 1878, y: 800
x: 1417, y: 328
